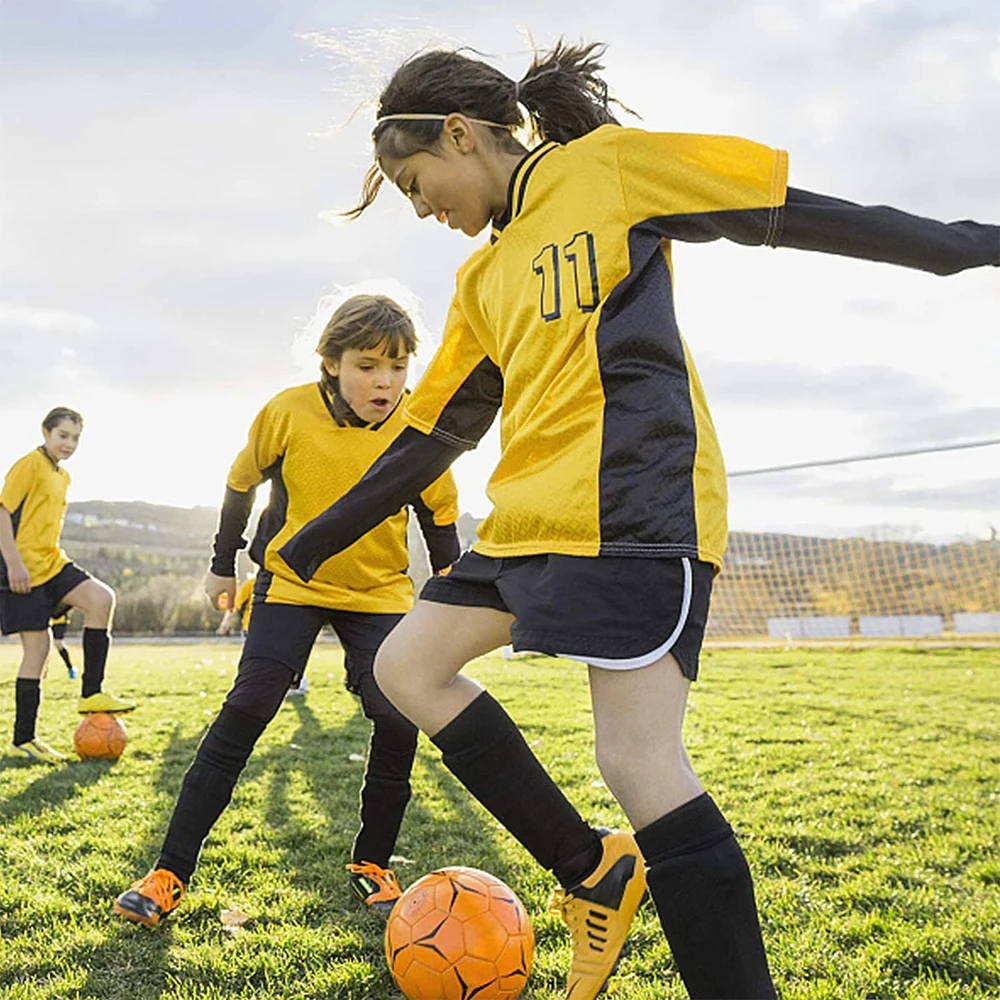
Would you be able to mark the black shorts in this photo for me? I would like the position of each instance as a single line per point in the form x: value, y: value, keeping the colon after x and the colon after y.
x: 31, y: 612
x: 58, y: 628
x: 286, y: 633
x: 608, y: 611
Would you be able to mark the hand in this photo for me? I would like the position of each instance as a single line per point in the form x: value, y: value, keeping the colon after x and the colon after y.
x: 221, y: 591
x: 18, y: 578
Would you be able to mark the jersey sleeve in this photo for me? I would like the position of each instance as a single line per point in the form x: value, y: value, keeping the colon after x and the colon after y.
x: 699, y: 188
x: 460, y: 393
x: 877, y: 232
x: 266, y: 443
x: 17, y: 484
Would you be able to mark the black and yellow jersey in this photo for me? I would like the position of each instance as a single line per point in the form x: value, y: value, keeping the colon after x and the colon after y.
x: 607, y: 446
x: 565, y: 322
x: 34, y: 494
x: 311, y: 455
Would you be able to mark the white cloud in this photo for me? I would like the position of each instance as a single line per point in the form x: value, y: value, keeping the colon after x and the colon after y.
x: 44, y: 320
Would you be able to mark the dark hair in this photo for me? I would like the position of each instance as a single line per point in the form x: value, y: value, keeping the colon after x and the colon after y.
x: 562, y: 91
x: 363, y: 322
x: 58, y: 414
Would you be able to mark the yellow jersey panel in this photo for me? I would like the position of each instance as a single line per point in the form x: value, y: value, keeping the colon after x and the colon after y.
x: 34, y: 494
x: 565, y: 321
x: 311, y: 461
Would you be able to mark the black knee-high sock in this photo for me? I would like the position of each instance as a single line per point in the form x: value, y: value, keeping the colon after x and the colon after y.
x: 64, y: 653
x: 27, y: 695
x: 208, y: 787
x: 485, y: 750
x: 386, y: 788
x: 96, y: 642
x: 703, y: 893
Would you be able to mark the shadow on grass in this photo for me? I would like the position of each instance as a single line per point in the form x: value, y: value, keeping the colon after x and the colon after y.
x: 131, y: 961
x: 52, y: 788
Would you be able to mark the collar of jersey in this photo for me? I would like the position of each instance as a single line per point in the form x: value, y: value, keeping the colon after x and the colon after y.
x: 343, y: 415
x: 48, y: 457
x: 517, y: 185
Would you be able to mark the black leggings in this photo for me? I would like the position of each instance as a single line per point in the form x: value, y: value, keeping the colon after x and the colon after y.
x: 274, y: 657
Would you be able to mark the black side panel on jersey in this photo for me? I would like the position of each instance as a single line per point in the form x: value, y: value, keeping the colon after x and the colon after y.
x: 467, y: 416
x: 649, y: 440
x: 274, y: 515
x: 830, y: 225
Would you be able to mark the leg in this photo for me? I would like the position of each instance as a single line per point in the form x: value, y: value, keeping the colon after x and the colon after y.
x: 97, y: 602
x: 27, y: 689
x: 697, y: 874
x: 280, y: 636
x: 385, y: 790
x: 481, y: 744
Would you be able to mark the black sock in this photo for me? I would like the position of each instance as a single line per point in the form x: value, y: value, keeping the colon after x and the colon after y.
x: 27, y: 695
x: 64, y: 653
x: 96, y: 642
x: 703, y: 893
x: 386, y: 788
x: 485, y: 750
x: 208, y: 787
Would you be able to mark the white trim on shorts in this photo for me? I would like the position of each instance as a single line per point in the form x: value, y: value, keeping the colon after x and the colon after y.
x: 635, y: 662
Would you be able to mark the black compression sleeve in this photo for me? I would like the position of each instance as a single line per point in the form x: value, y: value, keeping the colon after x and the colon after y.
x: 829, y: 225
x: 443, y: 546
x: 404, y: 470
x: 232, y: 523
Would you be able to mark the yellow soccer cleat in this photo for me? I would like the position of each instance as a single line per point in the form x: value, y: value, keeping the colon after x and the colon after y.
x: 599, y: 912
x: 150, y: 899
x: 37, y: 749
x: 376, y: 887
x: 103, y: 702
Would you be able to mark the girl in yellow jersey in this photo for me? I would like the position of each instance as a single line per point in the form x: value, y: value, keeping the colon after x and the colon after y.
x: 609, y: 516
x: 37, y: 578
x: 314, y: 442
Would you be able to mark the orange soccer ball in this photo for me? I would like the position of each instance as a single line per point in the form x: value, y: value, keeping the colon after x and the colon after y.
x: 459, y: 933
x: 100, y: 736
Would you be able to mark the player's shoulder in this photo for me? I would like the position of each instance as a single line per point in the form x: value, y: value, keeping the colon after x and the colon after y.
x: 295, y: 397
x: 28, y: 463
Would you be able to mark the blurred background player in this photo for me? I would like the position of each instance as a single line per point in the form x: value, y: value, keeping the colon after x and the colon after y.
x: 239, y: 615
x: 609, y: 517
x: 37, y: 580
x: 314, y: 442
x: 57, y: 626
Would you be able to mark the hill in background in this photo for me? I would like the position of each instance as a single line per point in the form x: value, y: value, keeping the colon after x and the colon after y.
x: 155, y: 557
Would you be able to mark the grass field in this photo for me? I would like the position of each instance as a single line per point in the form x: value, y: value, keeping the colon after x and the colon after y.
x: 864, y: 786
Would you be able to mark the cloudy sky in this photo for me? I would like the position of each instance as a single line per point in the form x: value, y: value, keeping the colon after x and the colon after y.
x: 171, y: 170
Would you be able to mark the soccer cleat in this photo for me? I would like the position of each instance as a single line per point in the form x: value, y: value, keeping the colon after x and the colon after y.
x: 103, y: 702
x: 376, y: 887
x: 151, y: 898
x: 599, y: 912
x: 38, y: 750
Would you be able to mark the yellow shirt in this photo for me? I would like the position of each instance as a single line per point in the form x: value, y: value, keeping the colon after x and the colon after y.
x: 311, y: 461
x: 34, y: 494
x: 607, y: 446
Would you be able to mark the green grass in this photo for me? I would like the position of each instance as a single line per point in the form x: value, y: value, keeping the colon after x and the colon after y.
x: 864, y: 786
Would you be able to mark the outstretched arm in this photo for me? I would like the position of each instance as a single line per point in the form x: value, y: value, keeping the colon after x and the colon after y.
x: 877, y: 232
x: 403, y: 471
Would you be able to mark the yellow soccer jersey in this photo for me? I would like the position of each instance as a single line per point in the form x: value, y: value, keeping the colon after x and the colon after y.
x: 312, y: 456
x: 607, y: 446
x: 34, y: 494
